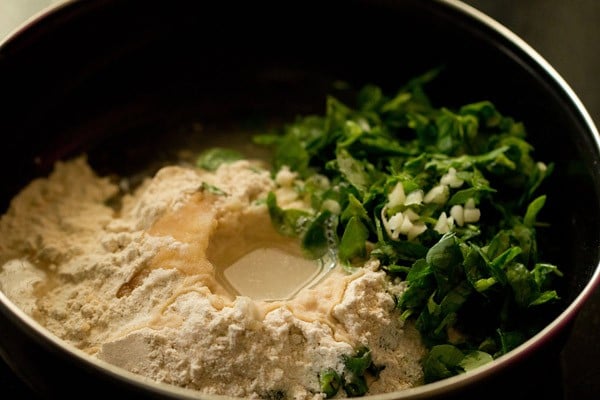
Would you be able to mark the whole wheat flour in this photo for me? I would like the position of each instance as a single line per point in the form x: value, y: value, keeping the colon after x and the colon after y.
x: 136, y: 285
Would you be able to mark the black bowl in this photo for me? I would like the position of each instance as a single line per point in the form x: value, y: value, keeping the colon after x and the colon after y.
x: 126, y: 81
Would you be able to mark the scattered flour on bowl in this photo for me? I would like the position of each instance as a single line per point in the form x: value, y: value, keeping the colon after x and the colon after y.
x: 136, y: 286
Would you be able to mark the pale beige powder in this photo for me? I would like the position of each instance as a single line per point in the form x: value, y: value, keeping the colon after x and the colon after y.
x: 137, y: 287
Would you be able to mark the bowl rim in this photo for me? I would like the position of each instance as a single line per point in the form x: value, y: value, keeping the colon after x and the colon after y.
x: 42, y: 13
x: 562, y: 321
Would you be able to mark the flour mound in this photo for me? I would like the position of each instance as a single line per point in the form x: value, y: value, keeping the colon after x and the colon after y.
x: 138, y: 286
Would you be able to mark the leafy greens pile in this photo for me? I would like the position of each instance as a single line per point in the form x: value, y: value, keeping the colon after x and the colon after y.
x: 445, y: 199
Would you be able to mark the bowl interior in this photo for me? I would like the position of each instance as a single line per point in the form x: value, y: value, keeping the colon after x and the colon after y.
x: 130, y: 82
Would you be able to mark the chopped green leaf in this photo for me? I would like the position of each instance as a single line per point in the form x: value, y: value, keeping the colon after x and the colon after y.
x: 212, y: 158
x: 355, y: 369
x: 532, y: 211
x: 353, y: 243
x: 289, y: 222
x: 212, y: 189
x: 442, y: 361
x: 442, y: 197
x: 475, y: 359
x: 317, y: 239
x: 330, y: 382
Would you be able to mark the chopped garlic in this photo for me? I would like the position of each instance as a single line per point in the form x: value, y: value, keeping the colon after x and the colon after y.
x: 414, y: 197
x: 467, y: 214
x: 541, y: 166
x: 444, y: 224
x: 451, y: 179
x: 406, y: 226
x: 406, y: 223
x: 386, y: 223
x: 395, y: 223
x: 471, y: 215
x: 416, y: 230
x: 396, y: 220
x: 332, y: 206
x: 397, y: 196
x: 285, y: 177
x: 286, y: 195
x: 438, y: 195
x: 470, y: 203
x: 458, y: 213
x: 364, y: 124
x: 411, y: 215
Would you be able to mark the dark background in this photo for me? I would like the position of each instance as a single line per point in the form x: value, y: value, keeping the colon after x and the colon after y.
x: 565, y: 33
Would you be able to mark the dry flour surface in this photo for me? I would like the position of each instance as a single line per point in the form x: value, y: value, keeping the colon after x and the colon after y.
x: 136, y: 285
